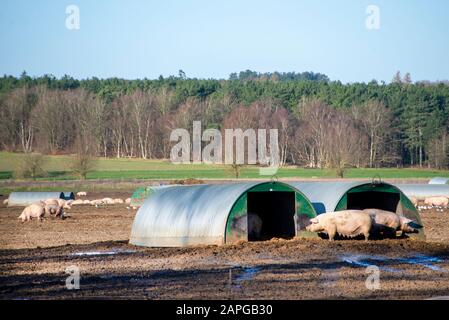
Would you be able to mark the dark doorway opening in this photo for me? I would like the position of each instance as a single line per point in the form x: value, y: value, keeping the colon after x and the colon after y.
x: 271, y: 214
x: 377, y: 200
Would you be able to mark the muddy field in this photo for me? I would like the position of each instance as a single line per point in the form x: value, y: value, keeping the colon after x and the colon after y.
x: 34, y: 257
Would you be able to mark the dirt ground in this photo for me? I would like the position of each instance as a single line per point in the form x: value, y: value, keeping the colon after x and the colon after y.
x: 34, y: 258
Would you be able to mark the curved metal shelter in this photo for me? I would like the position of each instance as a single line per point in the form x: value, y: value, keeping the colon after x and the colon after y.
x: 439, y: 180
x: 337, y: 196
x: 27, y: 198
x: 220, y: 213
x: 421, y: 191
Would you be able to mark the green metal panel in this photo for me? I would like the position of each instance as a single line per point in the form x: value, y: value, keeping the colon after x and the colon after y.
x: 139, y: 195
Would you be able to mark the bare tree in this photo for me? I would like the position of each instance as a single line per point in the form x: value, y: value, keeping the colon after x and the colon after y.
x: 82, y: 164
x: 375, y: 121
x: 142, y: 111
x: 53, y: 121
x: 17, y: 109
x: 314, y: 118
x: 31, y: 166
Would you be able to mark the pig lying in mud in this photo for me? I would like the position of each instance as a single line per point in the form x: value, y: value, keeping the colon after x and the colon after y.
x: 387, y: 223
x: 35, y: 210
x: 348, y: 223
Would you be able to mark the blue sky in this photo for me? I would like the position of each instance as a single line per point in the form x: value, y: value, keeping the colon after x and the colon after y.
x: 211, y: 39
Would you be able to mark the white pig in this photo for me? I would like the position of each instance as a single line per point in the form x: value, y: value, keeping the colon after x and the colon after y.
x: 35, y: 210
x: 349, y: 223
x: 437, y: 201
x: 388, y: 222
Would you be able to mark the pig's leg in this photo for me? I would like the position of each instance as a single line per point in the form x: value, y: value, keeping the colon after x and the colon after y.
x: 366, y: 234
x: 332, y: 231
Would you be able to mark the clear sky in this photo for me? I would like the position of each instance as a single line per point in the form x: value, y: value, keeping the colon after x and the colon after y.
x: 211, y: 39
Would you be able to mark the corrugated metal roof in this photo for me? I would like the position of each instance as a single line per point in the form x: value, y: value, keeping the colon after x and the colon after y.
x: 424, y: 190
x: 325, y: 195
x: 27, y: 198
x: 186, y: 215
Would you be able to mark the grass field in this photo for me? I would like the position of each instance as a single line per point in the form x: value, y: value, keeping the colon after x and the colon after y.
x: 58, y: 168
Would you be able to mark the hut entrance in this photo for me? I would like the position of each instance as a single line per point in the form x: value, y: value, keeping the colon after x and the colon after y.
x: 373, y: 199
x: 271, y: 214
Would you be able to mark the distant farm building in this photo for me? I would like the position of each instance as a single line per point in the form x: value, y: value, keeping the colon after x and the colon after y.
x: 27, y: 198
x: 439, y: 180
x: 422, y: 191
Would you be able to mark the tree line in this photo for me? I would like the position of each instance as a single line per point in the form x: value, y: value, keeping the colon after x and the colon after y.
x: 322, y: 123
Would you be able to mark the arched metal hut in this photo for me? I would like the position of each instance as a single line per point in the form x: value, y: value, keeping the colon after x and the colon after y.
x: 218, y: 214
x: 337, y: 196
x: 27, y: 198
x: 422, y: 191
x: 439, y: 180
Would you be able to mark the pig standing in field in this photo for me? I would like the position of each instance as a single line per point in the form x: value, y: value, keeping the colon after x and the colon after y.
x: 65, y: 204
x: 437, y: 201
x: 35, y: 210
x: 349, y: 223
x: 52, y: 208
x: 55, y: 207
x: 388, y: 223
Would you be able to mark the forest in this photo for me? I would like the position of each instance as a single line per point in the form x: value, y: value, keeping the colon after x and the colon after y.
x: 321, y: 123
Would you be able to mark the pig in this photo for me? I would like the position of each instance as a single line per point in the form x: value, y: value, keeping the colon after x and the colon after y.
x: 387, y: 222
x: 86, y: 202
x: 128, y: 200
x: 108, y: 200
x: 35, y: 210
x: 5, y: 201
x: 81, y: 194
x: 349, y: 223
x: 52, y: 207
x: 55, y: 207
x: 118, y: 201
x: 96, y: 202
x: 77, y: 202
x: 66, y: 204
x: 254, y: 226
x: 437, y: 201
x: 250, y: 223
